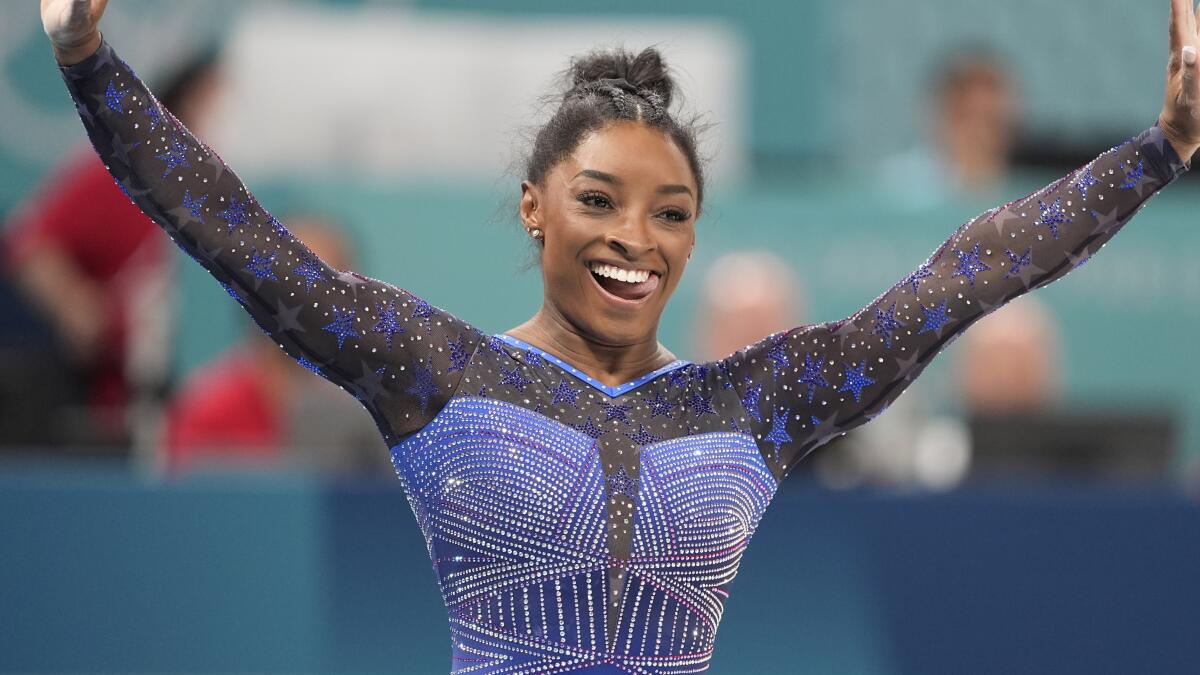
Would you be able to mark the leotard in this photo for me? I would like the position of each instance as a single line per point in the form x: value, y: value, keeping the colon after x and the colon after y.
x: 573, y: 526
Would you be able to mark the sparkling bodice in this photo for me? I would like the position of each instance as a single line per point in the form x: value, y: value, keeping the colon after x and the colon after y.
x: 517, y: 514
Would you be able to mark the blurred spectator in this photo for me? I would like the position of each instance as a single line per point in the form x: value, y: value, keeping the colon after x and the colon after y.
x: 1009, y: 375
x: 751, y: 294
x: 97, y: 272
x: 255, y: 407
x: 1007, y: 364
x: 1009, y: 361
x: 747, y: 296
x: 972, y: 115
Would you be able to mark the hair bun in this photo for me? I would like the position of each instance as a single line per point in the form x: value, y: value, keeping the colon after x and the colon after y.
x: 643, y: 71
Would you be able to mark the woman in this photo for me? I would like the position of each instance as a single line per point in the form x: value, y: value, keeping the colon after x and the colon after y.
x: 585, y: 496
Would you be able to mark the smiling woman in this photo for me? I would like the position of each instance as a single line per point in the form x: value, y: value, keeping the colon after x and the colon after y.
x: 585, y: 496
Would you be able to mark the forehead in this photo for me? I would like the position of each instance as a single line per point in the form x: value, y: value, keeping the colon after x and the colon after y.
x: 633, y: 152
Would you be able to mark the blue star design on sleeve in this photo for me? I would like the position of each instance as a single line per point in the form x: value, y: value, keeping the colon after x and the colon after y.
x: 914, y: 279
x: 423, y: 387
x: 612, y: 411
x: 310, y: 270
x: 277, y: 227
x: 458, y: 354
x: 342, y: 326
x: 387, y: 323
x: 678, y: 378
x: 235, y: 214
x: 175, y: 156
x: 495, y: 344
x: 194, y: 205
x: 750, y: 400
x: 660, y: 406
x: 153, y: 115
x: 1052, y: 216
x: 114, y: 97
x: 1086, y: 182
x: 565, y: 393
x: 422, y: 310
x: 727, y: 373
x: 533, y: 360
x: 309, y: 365
x: 779, y: 357
x: 1133, y: 176
x: 1018, y: 261
x: 700, y: 404
x: 812, y: 375
x: 231, y: 291
x: 621, y: 483
x: 969, y: 264
x: 855, y: 380
x: 778, y: 435
x: 261, y: 265
x: 514, y: 378
x: 934, y: 318
x: 643, y: 437
x: 589, y: 428
x: 886, y: 324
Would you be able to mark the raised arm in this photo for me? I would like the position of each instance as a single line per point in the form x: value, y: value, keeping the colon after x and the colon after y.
x: 802, y: 387
x: 805, y: 386
x: 401, y: 357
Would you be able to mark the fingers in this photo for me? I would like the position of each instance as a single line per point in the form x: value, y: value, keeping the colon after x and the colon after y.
x: 1176, y: 30
x: 1181, y: 17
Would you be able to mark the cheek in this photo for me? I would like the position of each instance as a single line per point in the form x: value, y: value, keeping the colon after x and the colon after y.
x: 558, y: 261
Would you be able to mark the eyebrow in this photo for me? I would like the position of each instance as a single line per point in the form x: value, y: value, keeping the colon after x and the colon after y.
x: 614, y: 180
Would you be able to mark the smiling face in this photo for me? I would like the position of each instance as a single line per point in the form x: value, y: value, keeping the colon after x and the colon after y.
x: 618, y: 218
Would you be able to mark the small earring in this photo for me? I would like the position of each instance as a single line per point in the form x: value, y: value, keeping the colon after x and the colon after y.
x: 535, y: 232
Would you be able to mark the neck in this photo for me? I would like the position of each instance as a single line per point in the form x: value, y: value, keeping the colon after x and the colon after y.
x: 611, y: 363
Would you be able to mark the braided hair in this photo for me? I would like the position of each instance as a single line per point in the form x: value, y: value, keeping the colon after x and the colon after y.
x: 604, y: 87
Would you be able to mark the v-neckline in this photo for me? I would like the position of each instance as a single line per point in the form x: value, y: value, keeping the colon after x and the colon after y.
x: 610, y: 391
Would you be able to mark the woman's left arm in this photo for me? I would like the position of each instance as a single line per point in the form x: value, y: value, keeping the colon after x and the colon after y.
x: 803, y: 387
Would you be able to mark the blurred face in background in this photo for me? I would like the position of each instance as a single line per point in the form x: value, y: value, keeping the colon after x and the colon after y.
x: 618, y: 217
x: 978, y: 112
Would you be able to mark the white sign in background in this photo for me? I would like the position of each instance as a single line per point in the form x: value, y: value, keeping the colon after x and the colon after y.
x: 393, y: 93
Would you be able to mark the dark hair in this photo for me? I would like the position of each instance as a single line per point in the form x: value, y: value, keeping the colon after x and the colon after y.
x: 967, y: 65
x: 607, y: 86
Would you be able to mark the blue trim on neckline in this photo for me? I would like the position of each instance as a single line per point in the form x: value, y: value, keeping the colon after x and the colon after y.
x: 611, y: 392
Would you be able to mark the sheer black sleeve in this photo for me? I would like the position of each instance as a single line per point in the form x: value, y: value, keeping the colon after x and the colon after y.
x: 802, y: 387
x: 401, y: 357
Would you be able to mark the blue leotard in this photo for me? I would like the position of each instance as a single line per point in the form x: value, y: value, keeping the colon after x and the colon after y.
x: 573, y: 526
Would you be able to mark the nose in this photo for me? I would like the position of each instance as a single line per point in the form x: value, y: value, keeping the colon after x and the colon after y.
x: 632, y: 239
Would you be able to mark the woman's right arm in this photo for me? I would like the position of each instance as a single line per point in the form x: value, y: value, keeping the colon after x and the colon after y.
x: 401, y: 357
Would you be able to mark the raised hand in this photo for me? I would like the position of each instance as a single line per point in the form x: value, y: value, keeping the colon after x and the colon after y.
x: 72, y: 26
x: 1180, y: 118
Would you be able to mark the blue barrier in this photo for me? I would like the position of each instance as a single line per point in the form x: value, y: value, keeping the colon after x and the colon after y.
x: 102, y: 572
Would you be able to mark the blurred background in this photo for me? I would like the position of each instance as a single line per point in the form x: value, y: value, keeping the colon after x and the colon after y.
x: 177, y: 496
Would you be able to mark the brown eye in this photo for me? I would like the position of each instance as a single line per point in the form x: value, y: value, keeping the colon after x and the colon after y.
x: 595, y: 200
x: 675, y: 215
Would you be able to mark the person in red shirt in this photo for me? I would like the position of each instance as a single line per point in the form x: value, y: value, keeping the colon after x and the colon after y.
x: 96, y: 270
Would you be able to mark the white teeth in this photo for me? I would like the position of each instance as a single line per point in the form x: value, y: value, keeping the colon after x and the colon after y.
x: 614, y: 272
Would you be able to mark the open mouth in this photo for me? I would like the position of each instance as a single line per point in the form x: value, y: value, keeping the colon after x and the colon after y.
x: 624, y: 284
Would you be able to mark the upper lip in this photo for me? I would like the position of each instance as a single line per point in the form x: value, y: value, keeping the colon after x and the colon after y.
x: 625, y: 266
